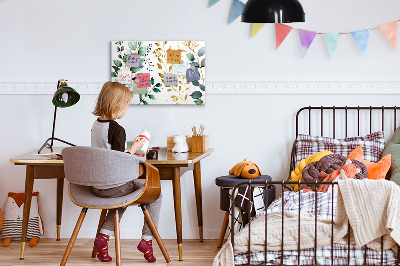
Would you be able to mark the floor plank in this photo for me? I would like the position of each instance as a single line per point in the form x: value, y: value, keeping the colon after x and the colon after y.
x: 49, y: 252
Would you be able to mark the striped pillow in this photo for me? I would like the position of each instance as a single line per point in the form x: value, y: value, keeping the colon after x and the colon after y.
x: 13, y: 228
x: 372, y: 145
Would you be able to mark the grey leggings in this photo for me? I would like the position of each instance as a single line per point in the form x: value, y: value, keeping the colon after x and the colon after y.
x: 154, y: 208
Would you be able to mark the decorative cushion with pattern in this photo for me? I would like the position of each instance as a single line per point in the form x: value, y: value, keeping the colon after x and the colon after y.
x: 372, y: 144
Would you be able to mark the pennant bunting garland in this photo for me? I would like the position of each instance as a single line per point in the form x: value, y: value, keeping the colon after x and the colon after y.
x: 237, y: 9
x: 389, y: 30
x: 306, y: 39
x: 361, y: 37
x: 332, y: 41
x: 256, y: 28
x: 281, y: 31
x: 213, y: 2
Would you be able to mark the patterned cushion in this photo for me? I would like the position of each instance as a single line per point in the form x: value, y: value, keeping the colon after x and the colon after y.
x: 372, y: 144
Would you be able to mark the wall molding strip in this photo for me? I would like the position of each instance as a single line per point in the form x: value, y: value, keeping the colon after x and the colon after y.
x: 231, y: 87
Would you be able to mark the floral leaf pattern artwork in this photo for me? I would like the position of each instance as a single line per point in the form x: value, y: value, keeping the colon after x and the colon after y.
x: 153, y: 60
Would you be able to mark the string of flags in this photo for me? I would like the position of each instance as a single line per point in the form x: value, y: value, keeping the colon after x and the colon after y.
x: 361, y: 37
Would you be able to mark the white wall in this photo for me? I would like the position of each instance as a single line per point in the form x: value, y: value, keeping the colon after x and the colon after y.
x: 42, y: 41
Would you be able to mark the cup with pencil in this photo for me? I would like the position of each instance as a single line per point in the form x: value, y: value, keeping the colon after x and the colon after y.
x: 199, y: 140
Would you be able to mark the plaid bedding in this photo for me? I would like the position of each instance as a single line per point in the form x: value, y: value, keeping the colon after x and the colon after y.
x: 372, y: 145
x: 323, y: 207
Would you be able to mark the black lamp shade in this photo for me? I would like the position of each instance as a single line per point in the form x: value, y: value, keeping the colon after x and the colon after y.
x: 273, y: 11
x: 65, y: 96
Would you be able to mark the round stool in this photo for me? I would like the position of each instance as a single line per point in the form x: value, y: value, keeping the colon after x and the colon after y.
x: 228, y: 182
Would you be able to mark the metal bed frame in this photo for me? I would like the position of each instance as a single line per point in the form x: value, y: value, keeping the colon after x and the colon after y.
x: 283, y: 184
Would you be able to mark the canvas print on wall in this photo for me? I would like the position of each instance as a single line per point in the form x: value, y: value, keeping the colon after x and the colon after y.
x: 161, y: 72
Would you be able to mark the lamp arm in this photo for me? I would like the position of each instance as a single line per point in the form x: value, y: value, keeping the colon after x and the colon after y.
x: 54, y: 126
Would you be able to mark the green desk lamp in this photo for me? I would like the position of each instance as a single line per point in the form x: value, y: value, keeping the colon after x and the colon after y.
x: 65, y: 96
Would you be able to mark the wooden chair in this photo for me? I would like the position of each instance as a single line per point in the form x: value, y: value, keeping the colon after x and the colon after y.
x: 85, y: 167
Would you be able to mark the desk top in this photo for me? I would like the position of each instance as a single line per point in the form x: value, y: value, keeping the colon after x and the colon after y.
x: 164, y: 157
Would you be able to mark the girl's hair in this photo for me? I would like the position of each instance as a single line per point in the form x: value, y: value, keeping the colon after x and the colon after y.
x: 112, y: 99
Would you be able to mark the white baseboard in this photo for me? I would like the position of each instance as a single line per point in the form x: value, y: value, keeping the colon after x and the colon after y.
x: 135, y: 233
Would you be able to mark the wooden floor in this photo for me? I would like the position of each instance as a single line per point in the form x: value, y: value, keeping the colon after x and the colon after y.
x: 50, y: 252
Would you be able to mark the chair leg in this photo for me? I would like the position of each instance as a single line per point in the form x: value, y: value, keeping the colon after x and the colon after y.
x: 101, y: 222
x: 117, y: 239
x: 223, y: 229
x: 73, y: 237
x: 154, y: 230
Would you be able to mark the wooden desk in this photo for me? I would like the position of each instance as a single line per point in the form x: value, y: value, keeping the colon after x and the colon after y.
x: 171, y: 167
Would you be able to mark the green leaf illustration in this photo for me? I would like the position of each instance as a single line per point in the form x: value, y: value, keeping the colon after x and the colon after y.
x: 201, y: 51
x: 145, y: 103
x: 202, y: 87
x: 195, y: 83
x: 117, y: 63
x: 116, y: 69
x: 135, y: 69
x: 190, y: 57
x: 142, y: 51
x: 152, y: 81
x: 113, y: 74
x: 198, y: 102
x: 124, y: 58
x: 152, y: 97
x: 203, y: 63
x: 156, y: 90
x: 196, y: 95
x: 132, y: 46
x: 140, y: 43
x: 158, y: 85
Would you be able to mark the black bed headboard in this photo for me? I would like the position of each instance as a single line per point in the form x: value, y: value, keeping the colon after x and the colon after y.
x: 344, y: 121
x: 347, y: 112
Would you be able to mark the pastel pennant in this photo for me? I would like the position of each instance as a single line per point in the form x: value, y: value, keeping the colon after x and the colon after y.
x: 256, y: 27
x: 389, y: 30
x: 361, y: 37
x: 281, y: 31
x: 306, y: 39
x: 213, y: 2
x: 237, y: 9
x: 332, y: 41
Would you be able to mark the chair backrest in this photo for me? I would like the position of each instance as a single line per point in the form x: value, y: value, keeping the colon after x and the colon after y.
x: 92, y: 166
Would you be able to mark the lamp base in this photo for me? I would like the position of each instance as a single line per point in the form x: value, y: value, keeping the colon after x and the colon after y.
x: 50, y: 146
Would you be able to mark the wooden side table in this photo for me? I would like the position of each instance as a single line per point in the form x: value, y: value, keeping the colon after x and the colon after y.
x: 226, y: 183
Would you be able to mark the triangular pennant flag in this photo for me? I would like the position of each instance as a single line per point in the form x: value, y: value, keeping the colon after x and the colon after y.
x: 237, y: 9
x: 361, y: 37
x: 281, y: 31
x: 390, y: 32
x: 255, y: 28
x: 306, y: 39
x: 213, y: 2
x: 332, y: 41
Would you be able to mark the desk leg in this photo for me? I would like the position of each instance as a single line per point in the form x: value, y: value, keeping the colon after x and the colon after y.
x: 176, y: 182
x: 27, y: 206
x: 60, y: 190
x: 197, y: 189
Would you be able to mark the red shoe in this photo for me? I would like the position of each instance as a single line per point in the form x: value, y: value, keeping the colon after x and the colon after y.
x: 101, y: 245
x: 146, y: 247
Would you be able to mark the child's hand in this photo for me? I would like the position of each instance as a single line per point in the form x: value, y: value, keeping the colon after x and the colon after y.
x: 137, y: 144
x: 143, y: 155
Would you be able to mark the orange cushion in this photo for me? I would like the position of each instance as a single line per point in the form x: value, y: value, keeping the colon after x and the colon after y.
x: 375, y: 170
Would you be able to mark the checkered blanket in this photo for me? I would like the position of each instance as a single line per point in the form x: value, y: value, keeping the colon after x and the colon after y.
x: 324, y: 206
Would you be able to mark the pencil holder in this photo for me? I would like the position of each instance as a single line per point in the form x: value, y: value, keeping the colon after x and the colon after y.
x: 200, y: 143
